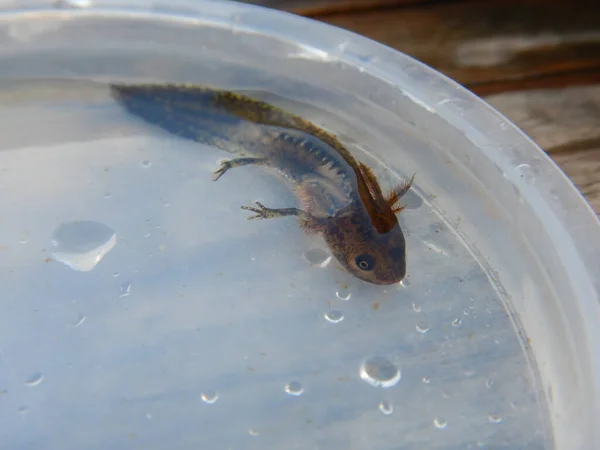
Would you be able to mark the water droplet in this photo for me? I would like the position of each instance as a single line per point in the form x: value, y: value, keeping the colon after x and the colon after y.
x: 416, y: 308
x: 343, y: 294
x: 147, y: 235
x: 148, y: 416
x: 80, y: 319
x: 125, y: 290
x: 253, y: 432
x: 526, y: 173
x: 334, y: 316
x: 440, y: 424
x: 317, y: 257
x: 210, y: 397
x: 294, y: 388
x: 34, y: 380
x: 23, y: 240
x: 116, y: 274
x: 492, y: 418
x: 146, y: 164
x: 23, y: 410
x: 435, y: 248
x: 404, y: 283
x: 73, y: 3
x: 366, y: 59
x: 386, y: 408
x: 422, y: 327
x: 81, y: 245
x: 426, y: 380
x: 380, y: 372
x: 107, y: 195
x: 456, y: 322
x: 466, y: 312
x: 489, y: 383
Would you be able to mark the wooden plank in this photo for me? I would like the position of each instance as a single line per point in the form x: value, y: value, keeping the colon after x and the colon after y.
x: 543, y: 81
x: 324, y: 7
x: 583, y: 168
x: 565, y: 123
x: 490, y: 42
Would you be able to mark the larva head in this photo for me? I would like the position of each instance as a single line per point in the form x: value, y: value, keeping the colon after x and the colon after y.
x: 377, y: 258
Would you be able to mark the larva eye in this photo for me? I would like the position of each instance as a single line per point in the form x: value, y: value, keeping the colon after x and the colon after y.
x: 365, y: 262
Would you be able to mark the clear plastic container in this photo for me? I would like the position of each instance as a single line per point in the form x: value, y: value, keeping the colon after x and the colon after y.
x: 141, y: 310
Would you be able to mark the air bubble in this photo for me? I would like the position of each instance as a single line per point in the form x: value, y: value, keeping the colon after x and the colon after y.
x: 334, y: 316
x: 489, y: 383
x: 380, y: 372
x: 80, y: 319
x: 125, y: 290
x: 422, y: 327
x: 440, y: 424
x: 426, y: 380
x: 317, y: 257
x: 343, y: 294
x: 416, y: 308
x: 492, y: 418
x: 107, y: 195
x: 210, y: 397
x: 34, y: 380
x: 146, y: 164
x: 456, y: 322
x: 23, y: 410
x: 253, y: 432
x: 386, y: 408
x: 294, y: 388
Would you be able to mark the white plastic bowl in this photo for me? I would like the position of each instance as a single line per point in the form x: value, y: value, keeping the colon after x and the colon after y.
x: 531, y: 232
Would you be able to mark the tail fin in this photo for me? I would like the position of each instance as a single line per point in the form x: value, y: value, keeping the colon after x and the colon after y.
x: 184, y: 112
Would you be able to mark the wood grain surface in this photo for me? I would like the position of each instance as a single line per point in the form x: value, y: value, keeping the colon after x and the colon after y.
x: 566, y: 123
x: 537, y: 62
x: 489, y: 45
x: 324, y: 7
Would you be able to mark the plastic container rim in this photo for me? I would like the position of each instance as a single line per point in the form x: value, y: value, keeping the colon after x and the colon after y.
x: 569, y: 219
